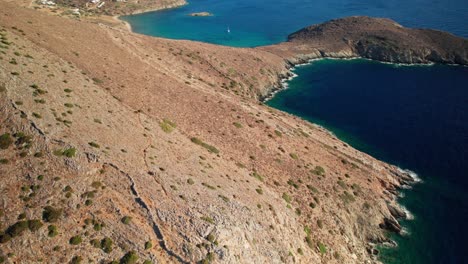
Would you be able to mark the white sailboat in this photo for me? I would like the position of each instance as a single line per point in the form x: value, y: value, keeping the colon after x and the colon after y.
x: 228, y: 30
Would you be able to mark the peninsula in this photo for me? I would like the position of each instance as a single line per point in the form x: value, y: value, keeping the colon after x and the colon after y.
x: 118, y: 147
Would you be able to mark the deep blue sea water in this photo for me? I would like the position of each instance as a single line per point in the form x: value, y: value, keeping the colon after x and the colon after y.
x: 415, y: 117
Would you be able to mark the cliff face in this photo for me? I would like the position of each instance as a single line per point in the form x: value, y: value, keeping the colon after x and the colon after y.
x: 377, y: 39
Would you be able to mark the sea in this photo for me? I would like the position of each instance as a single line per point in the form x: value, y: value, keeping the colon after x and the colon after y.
x: 415, y: 117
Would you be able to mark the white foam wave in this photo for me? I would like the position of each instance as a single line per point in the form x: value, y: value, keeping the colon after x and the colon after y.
x: 411, y: 173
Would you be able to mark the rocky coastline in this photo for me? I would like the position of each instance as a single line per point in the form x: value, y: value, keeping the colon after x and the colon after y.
x: 194, y: 168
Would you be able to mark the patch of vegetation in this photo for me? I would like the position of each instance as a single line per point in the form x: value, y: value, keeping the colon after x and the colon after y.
x: 347, y: 197
x: 293, y: 184
x: 238, y: 125
x: 257, y: 176
x: 208, y: 186
x: 51, y: 215
x: 190, y: 181
x: 278, y: 133
x: 130, y: 258
x: 76, y: 240
x: 320, y: 223
x: 106, y: 245
x: 5, y: 141
x: 126, y: 220
x: 17, y: 229
x: 97, y: 81
x: 210, y: 148
x: 52, y: 231
x: 148, y: 245
x: 69, y: 152
x: 322, y: 248
x: 318, y: 170
x: 207, y: 219
x: 34, y: 225
x: 224, y: 198
x: 294, y: 156
x: 287, y: 198
x: 94, y: 144
x: 342, y: 184
x: 167, y: 125
x: 259, y: 191
x: 76, y: 260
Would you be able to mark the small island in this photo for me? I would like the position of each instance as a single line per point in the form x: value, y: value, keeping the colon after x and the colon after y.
x: 201, y: 14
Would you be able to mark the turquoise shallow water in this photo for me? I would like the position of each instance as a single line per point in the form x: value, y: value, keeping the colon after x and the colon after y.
x: 415, y: 117
x: 259, y: 22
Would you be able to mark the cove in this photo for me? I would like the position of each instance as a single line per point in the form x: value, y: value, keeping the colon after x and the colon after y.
x: 413, y: 116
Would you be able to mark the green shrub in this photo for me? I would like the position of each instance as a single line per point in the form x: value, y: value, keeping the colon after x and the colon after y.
x: 342, y: 184
x: 257, y: 176
x: 205, y: 145
x: 69, y: 152
x: 76, y: 260
x: 167, y: 125
x: 190, y: 181
x: 94, y: 144
x: 5, y: 141
x: 106, y: 244
x: 130, y: 258
x: 76, y: 240
x: 309, y: 241
x: 320, y: 223
x: 126, y: 220
x: 294, y: 156
x: 52, y: 231
x: 318, y: 170
x: 4, y: 238
x: 4, y: 161
x: 147, y: 262
x: 287, y: 198
x: 95, y: 243
x: 322, y: 248
x: 51, y: 214
x: 259, y: 191
x: 238, y: 125
x: 17, y: 229
x: 97, y: 227
x: 207, y: 219
x: 34, y: 225
x: 148, y: 245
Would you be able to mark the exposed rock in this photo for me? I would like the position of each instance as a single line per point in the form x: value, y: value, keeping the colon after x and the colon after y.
x: 200, y: 14
x: 391, y: 224
x: 374, y: 38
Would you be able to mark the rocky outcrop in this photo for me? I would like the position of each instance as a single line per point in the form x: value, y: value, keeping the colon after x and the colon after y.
x: 200, y: 14
x: 374, y: 38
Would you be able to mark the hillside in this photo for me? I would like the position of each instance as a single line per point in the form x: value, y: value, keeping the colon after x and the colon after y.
x: 116, y: 146
x: 373, y: 38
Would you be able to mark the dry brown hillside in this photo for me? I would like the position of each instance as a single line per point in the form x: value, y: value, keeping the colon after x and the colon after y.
x: 116, y: 146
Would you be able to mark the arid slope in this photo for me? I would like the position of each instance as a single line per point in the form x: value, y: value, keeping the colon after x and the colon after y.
x: 142, y: 139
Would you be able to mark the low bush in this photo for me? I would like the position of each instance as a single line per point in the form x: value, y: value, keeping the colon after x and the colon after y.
x: 210, y: 148
x: 126, y: 220
x: 106, y: 244
x: 76, y: 240
x: 167, y: 125
x: 5, y: 141
x: 51, y: 215
x: 130, y: 258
